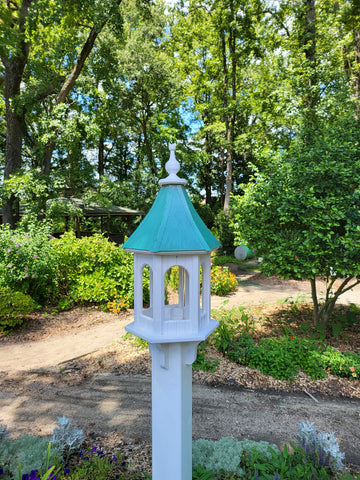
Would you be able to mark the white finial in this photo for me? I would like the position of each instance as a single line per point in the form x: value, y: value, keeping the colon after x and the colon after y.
x: 172, y: 167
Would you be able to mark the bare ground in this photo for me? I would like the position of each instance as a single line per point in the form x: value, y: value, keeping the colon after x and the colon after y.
x: 77, y: 364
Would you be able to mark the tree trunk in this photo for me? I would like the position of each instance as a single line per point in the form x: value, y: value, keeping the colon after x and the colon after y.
x: 101, y: 157
x: 230, y: 118
x: 315, y: 301
x: 15, y: 116
x: 309, y: 42
x: 66, y: 88
x: 356, y: 72
x: 207, y: 171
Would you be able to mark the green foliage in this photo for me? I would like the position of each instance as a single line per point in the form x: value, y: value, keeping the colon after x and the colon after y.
x: 286, y: 466
x: 92, y: 465
x: 301, y: 213
x: 200, y: 473
x: 222, y: 259
x: 93, y: 269
x: 27, y: 261
x: 28, y: 451
x: 93, y: 287
x: 342, y: 364
x: 14, y: 307
x: 223, y: 231
x: 281, y: 357
x: 203, y: 362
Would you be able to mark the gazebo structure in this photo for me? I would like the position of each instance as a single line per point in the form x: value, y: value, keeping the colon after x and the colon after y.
x: 84, y: 210
x: 172, y: 235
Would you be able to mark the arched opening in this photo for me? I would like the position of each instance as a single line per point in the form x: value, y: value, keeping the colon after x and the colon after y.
x: 176, y: 293
x: 147, y: 294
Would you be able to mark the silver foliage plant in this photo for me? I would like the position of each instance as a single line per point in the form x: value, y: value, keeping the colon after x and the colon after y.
x: 225, y: 454
x: 313, y: 441
x: 3, y: 431
x: 67, y: 439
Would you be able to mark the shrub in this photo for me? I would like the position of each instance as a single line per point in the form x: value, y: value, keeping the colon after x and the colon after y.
x: 93, y: 287
x: 93, y: 269
x: 14, y: 307
x: 27, y: 261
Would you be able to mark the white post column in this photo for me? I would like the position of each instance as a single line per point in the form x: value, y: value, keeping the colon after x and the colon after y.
x: 172, y: 410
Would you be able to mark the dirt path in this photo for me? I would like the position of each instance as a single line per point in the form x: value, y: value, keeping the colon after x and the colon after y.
x: 32, y: 396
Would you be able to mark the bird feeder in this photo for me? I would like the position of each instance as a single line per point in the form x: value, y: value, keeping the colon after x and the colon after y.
x: 172, y: 235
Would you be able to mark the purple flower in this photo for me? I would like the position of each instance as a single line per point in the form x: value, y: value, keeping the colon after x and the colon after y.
x: 114, y: 458
x: 27, y: 236
x: 66, y: 471
x: 34, y: 276
x: 25, y: 476
x: 10, y: 266
x: 1, y: 471
x: 17, y: 245
x: 93, y: 450
x: 26, y: 275
x: 9, y: 250
x: 26, y: 268
x: 80, y: 454
x: 33, y: 475
x: 10, y: 239
x: 35, y: 256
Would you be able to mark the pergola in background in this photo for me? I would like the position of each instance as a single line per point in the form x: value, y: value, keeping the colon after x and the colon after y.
x: 92, y: 210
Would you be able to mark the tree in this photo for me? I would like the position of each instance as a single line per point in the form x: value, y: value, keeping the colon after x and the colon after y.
x: 13, y: 16
x: 216, y: 44
x: 302, y: 212
x: 36, y: 36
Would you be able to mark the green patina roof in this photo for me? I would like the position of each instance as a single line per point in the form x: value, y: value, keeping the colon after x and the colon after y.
x: 172, y: 224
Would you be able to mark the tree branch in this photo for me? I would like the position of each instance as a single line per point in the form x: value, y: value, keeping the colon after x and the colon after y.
x: 68, y: 85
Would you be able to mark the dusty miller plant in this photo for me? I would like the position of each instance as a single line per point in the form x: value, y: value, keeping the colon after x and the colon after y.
x: 67, y: 439
x: 3, y: 431
x: 226, y: 453
x: 315, y: 442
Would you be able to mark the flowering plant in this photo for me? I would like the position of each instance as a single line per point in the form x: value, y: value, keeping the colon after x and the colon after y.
x: 27, y: 261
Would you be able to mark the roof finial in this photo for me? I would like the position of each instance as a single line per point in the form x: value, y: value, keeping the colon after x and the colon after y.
x: 172, y: 167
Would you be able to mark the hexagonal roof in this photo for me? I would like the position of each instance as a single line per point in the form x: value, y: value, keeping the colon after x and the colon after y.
x: 172, y: 223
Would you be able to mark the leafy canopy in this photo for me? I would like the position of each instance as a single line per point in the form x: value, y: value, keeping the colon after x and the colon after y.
x: 302, y: 212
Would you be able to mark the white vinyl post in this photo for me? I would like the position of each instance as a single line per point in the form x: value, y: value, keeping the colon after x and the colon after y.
x: 172, y: 410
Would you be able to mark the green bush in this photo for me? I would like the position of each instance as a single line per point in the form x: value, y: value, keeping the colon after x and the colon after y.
x: 14, y: 307
x: 27, y: 261
x: 93, y: 269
